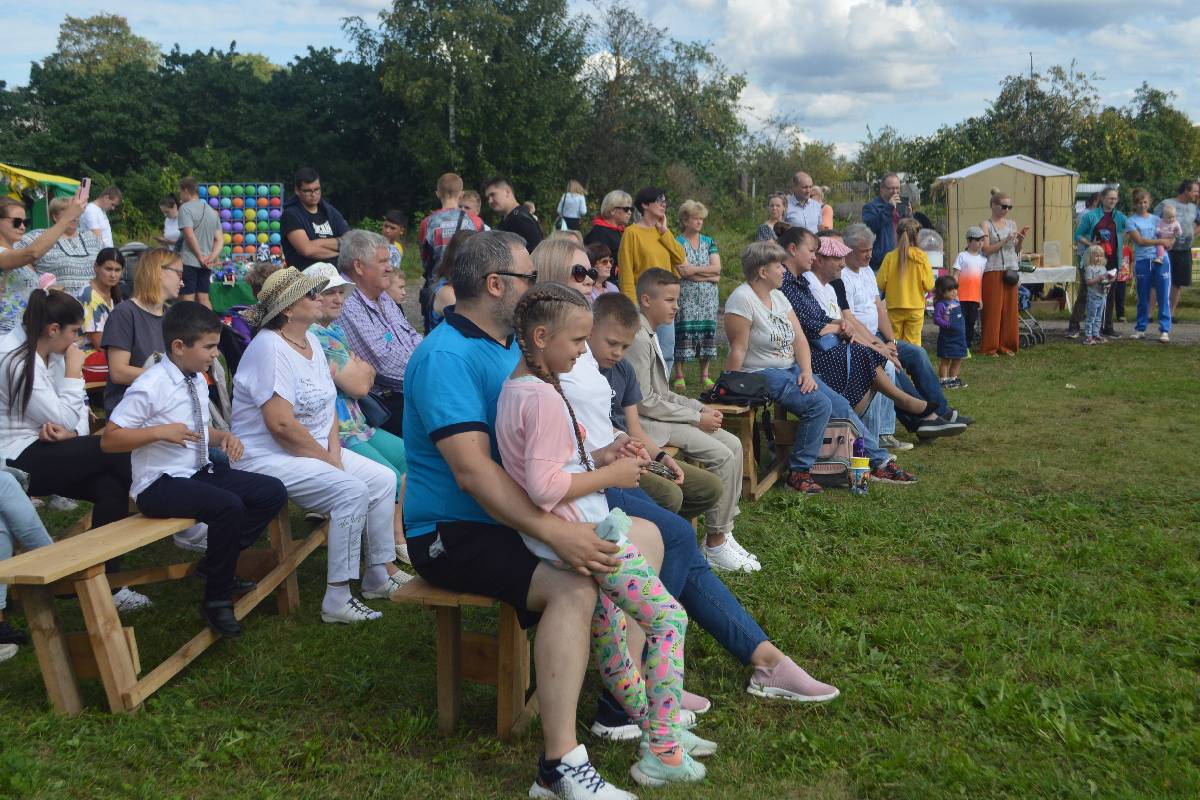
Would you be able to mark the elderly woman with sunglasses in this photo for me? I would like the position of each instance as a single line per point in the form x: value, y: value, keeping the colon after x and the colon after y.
x: 616, y: 210
x: 17, y: 277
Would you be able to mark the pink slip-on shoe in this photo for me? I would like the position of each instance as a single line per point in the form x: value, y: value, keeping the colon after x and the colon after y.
x: 695, y: 703
x: 787, y: 681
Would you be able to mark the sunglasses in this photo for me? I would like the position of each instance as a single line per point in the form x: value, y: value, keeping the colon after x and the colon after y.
x: 974, y: 238
x: 626, y: 209
x: 579, y: 272
x: 311, y: 294
x: 530, y: 277
x: 1005, y: 206
x: 17, y: 222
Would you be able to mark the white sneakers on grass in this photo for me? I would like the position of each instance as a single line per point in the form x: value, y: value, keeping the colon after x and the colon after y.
x: 127, y: 599
x: 7, y: 651
x: 729, y: 556
x: 352, y: 611
x: 576, y: 779
x: 384, y: 592
x: 194, y: 539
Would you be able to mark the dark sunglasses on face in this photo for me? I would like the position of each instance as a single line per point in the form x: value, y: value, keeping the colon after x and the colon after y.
x: 974, y: 238
x: 530, y: 277
x: 1005, y: 206
x: 626, y: 209
x: 579, y: 272
x: 17, y: 222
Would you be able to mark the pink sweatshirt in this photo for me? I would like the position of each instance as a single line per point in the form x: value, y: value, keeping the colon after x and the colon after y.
x: 533, y: 433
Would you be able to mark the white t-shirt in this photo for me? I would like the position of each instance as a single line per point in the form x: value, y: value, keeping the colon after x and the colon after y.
x: 171, y: 229
x: 572, y: 205
x: 93, y: 219
x: 824, y: 294
x: 160, y: 396
x: 270, y: 366
x: 862, y: 293
x: 590, y: 396
x: 771, y: 331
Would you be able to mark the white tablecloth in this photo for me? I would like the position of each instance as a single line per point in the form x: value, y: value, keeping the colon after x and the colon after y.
x: 1051, y: 275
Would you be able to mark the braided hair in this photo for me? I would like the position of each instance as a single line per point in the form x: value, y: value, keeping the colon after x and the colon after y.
x: 549, y: 304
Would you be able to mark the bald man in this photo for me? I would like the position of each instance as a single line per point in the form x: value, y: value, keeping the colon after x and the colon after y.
x: 802, y: 208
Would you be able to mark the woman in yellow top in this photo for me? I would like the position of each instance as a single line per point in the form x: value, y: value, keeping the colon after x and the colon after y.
x: 646, y: 244
x: 904, y: 277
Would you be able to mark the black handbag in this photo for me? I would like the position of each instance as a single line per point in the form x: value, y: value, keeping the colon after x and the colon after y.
x: 739, y: 389
x: 374, y: 410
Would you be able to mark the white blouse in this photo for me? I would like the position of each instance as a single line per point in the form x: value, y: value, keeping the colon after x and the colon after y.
x: 55, y: 398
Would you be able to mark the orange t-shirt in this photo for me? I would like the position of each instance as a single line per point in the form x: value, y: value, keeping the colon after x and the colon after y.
x: 970, y: 276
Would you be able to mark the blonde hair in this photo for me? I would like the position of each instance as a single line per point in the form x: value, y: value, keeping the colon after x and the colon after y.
x: 1092, y: 253
x: 691, y: 209
x: 575, y: 187
x: 574, y: 236
x: 998, y: 195
x: 552, y: 259
x: 449, y: 185
x: 615, y: 199
x: 906, y: 237
x: 472, y: 196
x: 147, y: 278
x: 757, y: 255
x: 56, y: 206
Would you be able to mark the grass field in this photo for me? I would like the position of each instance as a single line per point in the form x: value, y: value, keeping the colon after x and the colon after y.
x: 1023, y: 623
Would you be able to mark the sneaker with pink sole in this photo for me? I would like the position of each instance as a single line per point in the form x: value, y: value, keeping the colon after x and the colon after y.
x: 787, y: 681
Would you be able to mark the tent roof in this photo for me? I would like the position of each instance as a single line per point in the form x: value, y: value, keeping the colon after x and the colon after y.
x: 33, y: 177
x: 1023, y: 163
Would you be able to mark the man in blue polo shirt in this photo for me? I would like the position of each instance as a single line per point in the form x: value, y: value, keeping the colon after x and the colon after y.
x: 462, y: 510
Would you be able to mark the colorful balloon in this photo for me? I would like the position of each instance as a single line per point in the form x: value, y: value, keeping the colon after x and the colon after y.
x: 276, y: 189
x: 226, y: 202
x: 276, y: 202
x: 238, y: 190
x: 263, y: 238
x: 275, y: 250
x: 225, y: 226
x: 274, y: 225
x: 228, y: 238
x: 214, y: 202
x: 238, y: 227
x: 226, y: 190
x: 238, y: 213
x: 238, y: 202
x: 276, y: 213
x: 263, y: 191
x: 238, y: 238
x: 213, y: 190
x: 251, y: 227
x: 275, y: 238
x: 261, y: 215
x: 226, y: 251
x: 263, y: 202
x: 202, y: 191
x: 226, y: 215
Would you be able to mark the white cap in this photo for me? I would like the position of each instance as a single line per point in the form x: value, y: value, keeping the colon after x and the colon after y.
x: 328, y: 272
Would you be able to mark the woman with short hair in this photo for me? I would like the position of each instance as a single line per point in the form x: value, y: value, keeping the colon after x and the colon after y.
x: 700, y: 276
x: 616, y: 210
x: 285, y: 413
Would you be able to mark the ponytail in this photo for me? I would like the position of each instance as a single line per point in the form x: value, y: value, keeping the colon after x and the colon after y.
x: 45, y: 308
x: 906, y: 237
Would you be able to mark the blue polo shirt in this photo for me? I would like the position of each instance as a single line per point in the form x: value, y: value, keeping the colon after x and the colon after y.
x: 451, y: 385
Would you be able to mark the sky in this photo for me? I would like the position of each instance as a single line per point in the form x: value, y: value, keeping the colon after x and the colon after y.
x: 834, y: 67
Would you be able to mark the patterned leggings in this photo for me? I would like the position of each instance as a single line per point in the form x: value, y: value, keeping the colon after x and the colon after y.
x: 653, y: 701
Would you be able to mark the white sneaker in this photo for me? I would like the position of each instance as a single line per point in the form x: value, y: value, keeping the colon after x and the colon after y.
x: 384, y: 592
x: 1138, y: 335
x: 354, y: 611
x: 127, y: 599
x: 7, y: 651
x: 725, y: 558
x: 888, y: 441
x: 1164, y: 337
x: 62, y: 503
x: 577, y: 780
x: 741, y: 550
x: 402, y: 553
x: 194, y: 538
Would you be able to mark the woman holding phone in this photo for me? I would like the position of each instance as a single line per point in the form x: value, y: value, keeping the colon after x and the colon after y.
x: 1002, y: 249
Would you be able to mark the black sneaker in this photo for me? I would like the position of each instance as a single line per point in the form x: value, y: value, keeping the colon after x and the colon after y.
x: 11, y: 635
x: 954, y: 416
x: 939, y: 426
x: 611, y: 721
x: 1072, y: 333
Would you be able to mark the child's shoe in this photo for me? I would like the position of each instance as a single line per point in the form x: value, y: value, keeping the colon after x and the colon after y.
x: 693, y: 745
x: 652, y: 770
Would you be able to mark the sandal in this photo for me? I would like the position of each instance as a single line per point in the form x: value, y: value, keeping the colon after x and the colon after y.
x: 679, y: 385
x: 707, y: 382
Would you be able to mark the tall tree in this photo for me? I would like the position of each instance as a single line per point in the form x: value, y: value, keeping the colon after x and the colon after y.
x: 100, y: 44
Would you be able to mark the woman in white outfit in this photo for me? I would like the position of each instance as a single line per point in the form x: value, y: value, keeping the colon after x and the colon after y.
x: 284, y: 412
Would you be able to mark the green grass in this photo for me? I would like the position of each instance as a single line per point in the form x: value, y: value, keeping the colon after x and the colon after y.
x: 1022, y: 624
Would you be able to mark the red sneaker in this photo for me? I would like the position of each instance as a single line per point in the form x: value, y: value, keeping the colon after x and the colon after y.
x: 890, y: 473
x: 803, y: 482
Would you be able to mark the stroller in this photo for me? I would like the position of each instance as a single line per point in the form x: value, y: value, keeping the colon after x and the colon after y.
x: 1031, y: 331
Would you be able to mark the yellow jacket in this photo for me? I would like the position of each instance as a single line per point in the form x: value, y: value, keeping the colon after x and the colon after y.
x: 643, y: 248
x: 907, y: 290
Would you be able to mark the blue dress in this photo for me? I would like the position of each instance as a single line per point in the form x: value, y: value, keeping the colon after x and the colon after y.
x: 952, y: 329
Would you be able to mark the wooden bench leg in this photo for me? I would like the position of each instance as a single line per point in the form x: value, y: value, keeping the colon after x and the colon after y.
x: 109, y: 644
x: 743, y: 427
x: 288, y: 595
x: 512, y: 675
x: 62, y: 688
x: 449, y: 667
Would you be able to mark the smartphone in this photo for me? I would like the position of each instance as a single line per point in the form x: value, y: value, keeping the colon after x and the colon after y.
x: 86, y: 186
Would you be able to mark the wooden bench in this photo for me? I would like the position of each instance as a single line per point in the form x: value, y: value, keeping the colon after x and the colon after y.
x: 502, y: 660
x: 108, y: 650
x: 741, y: 422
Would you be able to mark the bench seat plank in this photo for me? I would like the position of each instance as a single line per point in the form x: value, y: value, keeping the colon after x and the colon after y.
x: 46, y: 565
x: 420, y: 591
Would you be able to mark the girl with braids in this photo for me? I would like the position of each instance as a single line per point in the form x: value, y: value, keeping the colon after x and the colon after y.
x: 904, y: 277
x: 542, y: 447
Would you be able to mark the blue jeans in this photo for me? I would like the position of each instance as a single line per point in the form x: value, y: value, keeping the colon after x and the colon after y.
x: 919, y: 380
x: 690, y: 580
x: 19, y: 522
x: 1095, y: 315
x: 812, y: 409
x: 880, y: 418
x: 666, y: 340
x: 1158, y: 277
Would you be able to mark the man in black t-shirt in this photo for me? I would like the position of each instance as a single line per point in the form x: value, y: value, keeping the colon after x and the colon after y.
x: 310, y: 226
x: 513, y: 217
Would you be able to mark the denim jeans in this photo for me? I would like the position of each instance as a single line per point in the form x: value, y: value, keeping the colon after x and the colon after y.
x: 813, y: 410
x: 1158, y: 277
x: 1095, y: 315
x: 690, y: 580
x: 881, y: 414
x: 924, y: 380
x: 666, y: 340
x: 19, y: 522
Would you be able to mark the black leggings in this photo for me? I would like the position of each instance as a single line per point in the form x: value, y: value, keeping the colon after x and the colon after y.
x: 78, y: 469
x: 970, y: 310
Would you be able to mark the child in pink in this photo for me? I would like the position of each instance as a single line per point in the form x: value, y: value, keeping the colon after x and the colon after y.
x: 541, y: 446
x: 1168, y: 228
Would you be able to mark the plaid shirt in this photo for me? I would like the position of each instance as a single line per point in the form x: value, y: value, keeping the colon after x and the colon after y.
x: 380, y: 334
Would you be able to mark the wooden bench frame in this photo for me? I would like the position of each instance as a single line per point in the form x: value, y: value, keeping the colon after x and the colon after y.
x: 109, y: 650
x: 741, y: 421
x: 502, y: 660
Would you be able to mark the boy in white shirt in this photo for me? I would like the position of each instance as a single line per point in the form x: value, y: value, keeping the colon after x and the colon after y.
x: 163, y: 419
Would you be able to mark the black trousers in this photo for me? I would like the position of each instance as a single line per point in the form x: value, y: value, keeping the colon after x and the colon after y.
x: 235, y: 505
x: 395, y: 403
x: 79, y: 469
x: 970, y: 311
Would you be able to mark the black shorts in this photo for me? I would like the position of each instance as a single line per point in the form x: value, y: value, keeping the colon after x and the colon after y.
x: 1181, y: 267
x: 195, y: 280
x: 478, y: 558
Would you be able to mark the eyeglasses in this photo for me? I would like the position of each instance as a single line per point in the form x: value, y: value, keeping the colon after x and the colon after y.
x: 311, y: 294
x: 1005, y: 206
x: 579, y: 272
x: 17, y: 222
x: 177, y: 270
x: 530, y: 277
x: 310, y: 191
x: 605, y: 260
